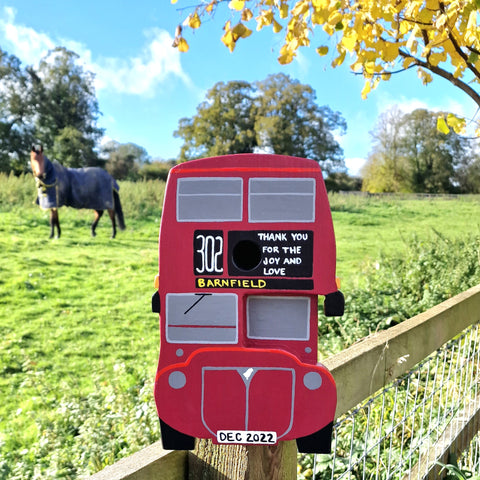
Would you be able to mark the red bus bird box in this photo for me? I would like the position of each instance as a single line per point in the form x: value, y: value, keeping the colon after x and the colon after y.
x: 246, y: 247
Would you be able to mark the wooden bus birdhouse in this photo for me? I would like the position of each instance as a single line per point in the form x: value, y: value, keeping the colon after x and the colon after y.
x: 246, y: 247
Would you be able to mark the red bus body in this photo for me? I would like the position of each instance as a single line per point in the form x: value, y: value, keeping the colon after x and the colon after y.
x: 246, y: 246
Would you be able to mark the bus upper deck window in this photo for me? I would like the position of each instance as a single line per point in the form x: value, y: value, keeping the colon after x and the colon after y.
x: 278, y: 318
x: 209, y: 199
x: 281, y: 200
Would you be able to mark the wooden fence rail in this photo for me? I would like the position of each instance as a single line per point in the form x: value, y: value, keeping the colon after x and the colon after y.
x: 359, y: 371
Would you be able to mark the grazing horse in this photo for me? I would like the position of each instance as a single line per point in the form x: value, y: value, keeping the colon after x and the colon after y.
x: 91, y: 188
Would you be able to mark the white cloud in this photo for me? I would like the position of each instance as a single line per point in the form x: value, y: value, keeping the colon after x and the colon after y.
x: 354, y: 165
x: 157, y: 63
x: 23, y: 42
x: 461, y: 104
x: 140, y: 75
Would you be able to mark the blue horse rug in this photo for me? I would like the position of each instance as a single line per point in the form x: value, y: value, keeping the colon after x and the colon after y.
x: 90, y: 187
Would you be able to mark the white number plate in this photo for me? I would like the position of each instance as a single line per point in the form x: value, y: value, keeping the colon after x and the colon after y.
x: 247, y: 437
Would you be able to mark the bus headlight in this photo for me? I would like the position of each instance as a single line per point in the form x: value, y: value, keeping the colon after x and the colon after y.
x: 312, y: 380
x: 177, y: 380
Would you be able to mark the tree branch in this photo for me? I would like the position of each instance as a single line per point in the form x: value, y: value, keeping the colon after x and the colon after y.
x: 463, y: 55
x: 386, y: 72
x: 473, y: 50
x: 457, y: 47
x: 446, y: 75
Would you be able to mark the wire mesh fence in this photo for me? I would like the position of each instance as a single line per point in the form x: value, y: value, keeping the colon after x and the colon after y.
x: 407, y: 429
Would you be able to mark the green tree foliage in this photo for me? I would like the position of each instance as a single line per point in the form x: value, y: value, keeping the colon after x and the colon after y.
x: 224, y: 123
x: 384, y: 170
x: 468, y: 175
x: 278, y: 115
x: 156, y: 170
x: 72, y: 149
x: 67, y: 108
x: 124, y: 160
x: 341, y: 181
x: 16, y: 131
x: 54, y: 104
x: 289, y: 122
x: 411, y: 155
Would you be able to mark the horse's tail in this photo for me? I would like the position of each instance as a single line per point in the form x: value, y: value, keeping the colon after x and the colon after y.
x: 118, y: 210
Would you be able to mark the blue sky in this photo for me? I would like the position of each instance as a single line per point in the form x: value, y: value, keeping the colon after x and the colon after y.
x: 144, y: 86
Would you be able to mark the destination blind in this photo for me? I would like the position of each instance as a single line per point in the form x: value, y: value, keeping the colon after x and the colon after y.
x: 273, y: 253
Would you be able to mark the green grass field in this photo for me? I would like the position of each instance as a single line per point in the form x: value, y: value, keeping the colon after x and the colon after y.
x: 79, y: 343
x: 369, y: 227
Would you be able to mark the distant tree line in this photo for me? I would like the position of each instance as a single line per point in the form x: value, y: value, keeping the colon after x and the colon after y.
x: 55, y: 104
x: 410, y: 154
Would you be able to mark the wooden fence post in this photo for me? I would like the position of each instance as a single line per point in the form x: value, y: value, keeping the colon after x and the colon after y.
x: 240, y: 462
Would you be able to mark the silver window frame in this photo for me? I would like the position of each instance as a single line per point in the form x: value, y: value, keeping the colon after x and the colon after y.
x: 307, y: 319
x: 283, y: 220
x: 179, y: 195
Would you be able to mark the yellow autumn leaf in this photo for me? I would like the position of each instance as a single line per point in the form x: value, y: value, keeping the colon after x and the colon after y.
x: 317, y: 4
x: 389, y: 52
x: 194, y: 21
x: 366, y: 89
x: 350, y: 40
x: 322, y: 51
x: 357, y: 67
x: 300, y: 8
x: 442, y: 125
x: 471, y: 34
x: 283, y: 10
x: 339, y: 60
x: 404, y: 27
x: 210, y: 6
x: 435, y: 58
x: 240, y: 31
x: 329, y: 29
x: 267, y: 16
x: 236, y: 5
x: 369, y: 67
x: 457, y: 124
x: 412, y: 40
x: 459, y: 70
x: 472, y: 21
x: 247, y: 15
x: 412, y: 9
x: 408, y: 62
x: 441, y: 21
x: 334, y: 18
x: 319, y: 17
x: 276, y: 26
x: 264, y: 19
x: 424, y: 76
x: 182, y: 45
x: 285, y: 58
x: 228, y: 40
